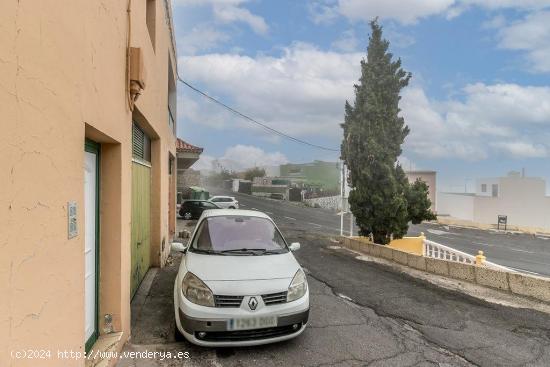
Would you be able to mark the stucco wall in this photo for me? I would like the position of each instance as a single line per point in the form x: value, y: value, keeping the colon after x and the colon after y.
x: 523, y: 200
x: 62, y: 78
x: 455, y: 205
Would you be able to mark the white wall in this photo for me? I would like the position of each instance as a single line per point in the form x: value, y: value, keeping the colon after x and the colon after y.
x: 459, y: 206
x: 489, y: 182
x: 522, y: 199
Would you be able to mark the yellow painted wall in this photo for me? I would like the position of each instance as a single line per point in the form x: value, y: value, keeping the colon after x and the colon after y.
x: 412, y: 245
x: 62, y: 78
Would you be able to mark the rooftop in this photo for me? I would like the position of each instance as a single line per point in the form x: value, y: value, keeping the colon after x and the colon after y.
x: 184, y: 147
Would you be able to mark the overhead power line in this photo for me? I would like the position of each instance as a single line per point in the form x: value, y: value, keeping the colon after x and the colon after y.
x: 250, y: 119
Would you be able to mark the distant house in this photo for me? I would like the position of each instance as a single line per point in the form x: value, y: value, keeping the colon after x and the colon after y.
x: 429, y: 177
x: 186, y: 155
x: 522, y: 199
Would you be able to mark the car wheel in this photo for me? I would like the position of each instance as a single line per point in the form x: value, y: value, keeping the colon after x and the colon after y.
x: 187, y: 215
x: 231, y: 207
x: 177, y: 335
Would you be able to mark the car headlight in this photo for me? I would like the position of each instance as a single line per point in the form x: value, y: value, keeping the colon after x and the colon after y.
x: 196, y: 291
x: 298, y: 287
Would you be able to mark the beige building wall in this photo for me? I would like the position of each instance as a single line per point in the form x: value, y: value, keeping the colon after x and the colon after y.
x: 429, y: 177
x: 63, y: 79
x: 522, y: 199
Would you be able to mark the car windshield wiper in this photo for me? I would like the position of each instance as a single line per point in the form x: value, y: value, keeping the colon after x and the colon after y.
x: 204, y: 251
x: 245, y: 250
x: 279, y: 251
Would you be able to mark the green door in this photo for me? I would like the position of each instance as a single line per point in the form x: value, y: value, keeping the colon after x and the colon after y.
x: 141, y: 211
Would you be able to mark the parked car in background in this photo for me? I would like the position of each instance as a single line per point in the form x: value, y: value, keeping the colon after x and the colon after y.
x: 227, y: 202
x: 238, y: 282
x: 192, y: 209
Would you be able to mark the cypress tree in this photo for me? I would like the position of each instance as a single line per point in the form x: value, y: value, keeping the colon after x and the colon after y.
x: 373, y: 135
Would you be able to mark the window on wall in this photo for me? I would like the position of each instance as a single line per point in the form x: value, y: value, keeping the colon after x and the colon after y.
x: 150, y: 18
x: 483, y: 187
x: 141, y: 144
x: 494, y: 190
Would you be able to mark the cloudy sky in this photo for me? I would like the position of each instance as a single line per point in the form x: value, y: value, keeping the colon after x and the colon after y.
x: 478, y: 104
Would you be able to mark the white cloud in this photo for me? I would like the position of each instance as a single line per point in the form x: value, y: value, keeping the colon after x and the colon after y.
x: 406, y: 12
x: 522, y: 149
x: 490, y: 119
x: 203, y: 37
x: 347, y: 42
x: 496, y: 22
x: 411, y: 11
x: 251, y: 156
x: 531, y: 34
x: 240, y: 157
x: 301, y: 92
x: 230, y: 11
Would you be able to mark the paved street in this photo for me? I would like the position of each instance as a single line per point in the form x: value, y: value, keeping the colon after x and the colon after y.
x: 361, y: 314
x: 520, y: 251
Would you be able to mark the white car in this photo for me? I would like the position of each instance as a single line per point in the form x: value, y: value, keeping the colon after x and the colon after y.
x: 238, y: 283
x: 226, y: 202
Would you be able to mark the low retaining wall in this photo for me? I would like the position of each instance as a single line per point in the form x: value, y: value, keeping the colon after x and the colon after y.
x: 413, y: 245
x: 327, y: 202
x: 515, y: 283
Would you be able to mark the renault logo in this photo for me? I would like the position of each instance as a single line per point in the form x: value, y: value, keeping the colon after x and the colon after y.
x: 252, y: 303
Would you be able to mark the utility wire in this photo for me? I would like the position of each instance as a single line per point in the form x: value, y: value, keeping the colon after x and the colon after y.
x: 248, y: 118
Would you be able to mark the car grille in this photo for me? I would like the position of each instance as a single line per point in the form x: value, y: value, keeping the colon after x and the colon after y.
x: 274, y: 298
x: 243, y: 335
x: 228, y: 301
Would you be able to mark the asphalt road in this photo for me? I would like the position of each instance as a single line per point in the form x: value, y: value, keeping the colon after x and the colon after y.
x: 362, y: 314
x: 521, y: 252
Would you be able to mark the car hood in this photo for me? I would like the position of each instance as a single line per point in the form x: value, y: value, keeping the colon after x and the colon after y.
x: 220, y: 267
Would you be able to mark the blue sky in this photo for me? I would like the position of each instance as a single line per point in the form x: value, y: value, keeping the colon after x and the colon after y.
x: 478, y: 104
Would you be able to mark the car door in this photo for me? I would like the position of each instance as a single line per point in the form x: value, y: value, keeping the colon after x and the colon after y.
x: 220, y: 202
x: 195, y: 209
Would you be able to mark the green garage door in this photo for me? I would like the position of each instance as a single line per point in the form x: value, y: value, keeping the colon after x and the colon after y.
x: 141, y: 207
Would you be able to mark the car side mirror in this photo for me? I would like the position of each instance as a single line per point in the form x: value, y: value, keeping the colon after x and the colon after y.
x: 179, y: 247
x: 294, y: 246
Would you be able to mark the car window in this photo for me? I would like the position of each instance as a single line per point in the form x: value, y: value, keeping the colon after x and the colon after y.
x: 215, y: 200
x: 208, y: 205
x: 232, y: 232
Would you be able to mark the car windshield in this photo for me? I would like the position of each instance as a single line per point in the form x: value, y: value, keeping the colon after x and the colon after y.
x: 238, y: 235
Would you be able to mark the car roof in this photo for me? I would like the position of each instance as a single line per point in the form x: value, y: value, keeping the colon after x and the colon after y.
x: 222, y: 196
x: 234, y: 212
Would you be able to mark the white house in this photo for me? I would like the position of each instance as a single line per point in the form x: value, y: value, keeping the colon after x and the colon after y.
x: 522, y: 199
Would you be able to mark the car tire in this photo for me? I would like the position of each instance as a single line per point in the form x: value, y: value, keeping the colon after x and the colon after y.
x: 231, y: 207
x: 177, y: 334
x: 187, y: 216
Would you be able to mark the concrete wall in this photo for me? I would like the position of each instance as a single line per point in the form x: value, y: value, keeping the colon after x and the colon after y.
x: 456, y: 205
x: 522, y: 199
x: 328, y: 202
x: 63, y: 79
x: 519, y: 284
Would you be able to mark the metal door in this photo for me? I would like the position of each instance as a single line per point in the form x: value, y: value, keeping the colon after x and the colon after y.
x: 141, y: 223
x: 91, y: 242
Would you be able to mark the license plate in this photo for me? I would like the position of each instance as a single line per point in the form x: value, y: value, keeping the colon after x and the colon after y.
x: 252, y: 323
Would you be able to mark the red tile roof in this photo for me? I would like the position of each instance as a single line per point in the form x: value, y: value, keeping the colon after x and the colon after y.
x: 182, y: 146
